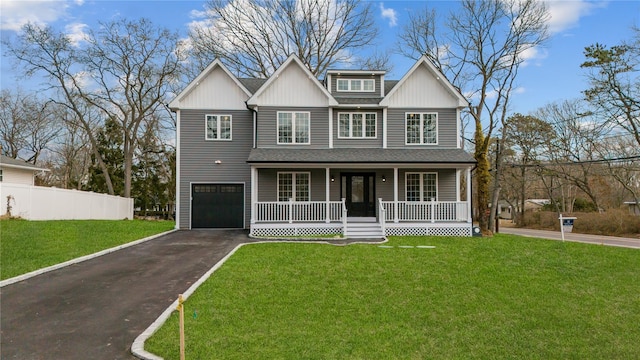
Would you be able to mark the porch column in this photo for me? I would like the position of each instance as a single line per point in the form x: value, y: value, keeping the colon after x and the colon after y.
x: 468, y: 195
x: 458, y: 184
x: 395, y: 194
x: 327, y: 182
x: 254, y: 193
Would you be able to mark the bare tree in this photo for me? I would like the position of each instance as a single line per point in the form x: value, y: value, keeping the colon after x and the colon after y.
x: 526, y: 136
x: 122, y: 70
x: 28, y: 125
x: 253, y: 38
x: 50, y: 53
x: 483, y: 49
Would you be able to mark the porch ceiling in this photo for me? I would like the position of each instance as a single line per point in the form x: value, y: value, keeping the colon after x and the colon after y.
x: 368, y: 156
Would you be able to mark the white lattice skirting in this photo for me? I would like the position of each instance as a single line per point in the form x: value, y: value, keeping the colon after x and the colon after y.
x: 429, y: 231
x: 293, y: 231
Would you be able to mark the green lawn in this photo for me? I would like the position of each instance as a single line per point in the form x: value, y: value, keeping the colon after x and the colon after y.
x: 30, y: 245
x: 505, y: 297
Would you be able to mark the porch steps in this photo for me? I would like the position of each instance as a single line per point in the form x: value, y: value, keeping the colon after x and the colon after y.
x: 363, y: 230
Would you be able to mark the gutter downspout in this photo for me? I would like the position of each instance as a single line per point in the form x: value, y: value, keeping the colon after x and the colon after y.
x: 255, y: 124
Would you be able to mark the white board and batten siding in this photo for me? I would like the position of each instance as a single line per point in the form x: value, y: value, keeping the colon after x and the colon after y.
x: 293, y: 88
x: 422, y: 89
x: 215, y: 91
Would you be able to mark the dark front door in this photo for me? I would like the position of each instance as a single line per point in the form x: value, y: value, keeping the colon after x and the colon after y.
x: 358, y: 190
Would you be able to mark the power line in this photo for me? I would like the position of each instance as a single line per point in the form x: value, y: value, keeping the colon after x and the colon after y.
x: 620, y: 159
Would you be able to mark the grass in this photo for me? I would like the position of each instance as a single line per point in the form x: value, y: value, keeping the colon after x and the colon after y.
x: 26, y: 246
x: 504, y: 297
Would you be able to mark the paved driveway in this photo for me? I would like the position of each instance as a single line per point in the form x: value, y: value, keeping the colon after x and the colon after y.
x: 585, y: 238
x: 95, y: 309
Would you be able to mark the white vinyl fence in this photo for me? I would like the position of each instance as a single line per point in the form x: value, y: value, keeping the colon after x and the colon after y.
x: 44, y: 203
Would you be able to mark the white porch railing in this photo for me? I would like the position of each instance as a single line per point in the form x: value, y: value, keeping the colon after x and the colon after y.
x: 298, y: 211
x: 432, y: 211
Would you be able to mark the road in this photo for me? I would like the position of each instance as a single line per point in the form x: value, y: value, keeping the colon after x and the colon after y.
x: 584, y: 238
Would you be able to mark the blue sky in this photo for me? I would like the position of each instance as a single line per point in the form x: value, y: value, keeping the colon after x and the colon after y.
x: 552, y: 73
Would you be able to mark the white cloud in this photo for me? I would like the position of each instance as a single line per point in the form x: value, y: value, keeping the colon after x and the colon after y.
x: 16, y: 13
x: 567, y: 14
x: 390, y: 14
x: 75, y: 33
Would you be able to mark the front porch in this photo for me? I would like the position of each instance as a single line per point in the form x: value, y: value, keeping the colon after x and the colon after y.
x: 321, y: 218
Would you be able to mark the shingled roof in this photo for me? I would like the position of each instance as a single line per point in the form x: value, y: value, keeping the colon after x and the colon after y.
x: 369, y: 155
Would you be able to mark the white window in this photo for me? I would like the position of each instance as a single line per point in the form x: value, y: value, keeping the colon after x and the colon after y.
x: 360, y: 85
x: 357, y: 125
x: 421, y: 128
x: 421, y: 186
x: 293, y: 127
x: 294, y: 185
x: 218, y: 127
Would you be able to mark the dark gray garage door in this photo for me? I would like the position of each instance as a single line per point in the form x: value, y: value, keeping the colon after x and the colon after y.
x: 217, y: 206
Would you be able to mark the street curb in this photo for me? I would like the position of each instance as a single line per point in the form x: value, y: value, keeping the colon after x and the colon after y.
x: 137, y: 348
x: 29, y: 275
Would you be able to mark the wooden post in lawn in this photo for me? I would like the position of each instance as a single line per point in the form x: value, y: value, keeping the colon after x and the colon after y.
x: 180, y: 309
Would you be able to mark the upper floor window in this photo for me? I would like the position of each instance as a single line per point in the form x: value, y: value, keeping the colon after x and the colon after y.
x: 362, y: 85
x: 293, y: 127
x: 422, y: 186
x: 357, y: 125
x: 294, y: 185
x: 218, y: 127
x: 422, y: 128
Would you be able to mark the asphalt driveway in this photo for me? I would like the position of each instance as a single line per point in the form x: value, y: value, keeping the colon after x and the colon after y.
x: 95, y: 309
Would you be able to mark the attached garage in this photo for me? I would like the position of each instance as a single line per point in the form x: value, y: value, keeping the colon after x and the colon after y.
x: 217, y: 206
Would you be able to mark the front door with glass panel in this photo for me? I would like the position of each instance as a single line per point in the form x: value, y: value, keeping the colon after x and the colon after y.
x: 358, y: 190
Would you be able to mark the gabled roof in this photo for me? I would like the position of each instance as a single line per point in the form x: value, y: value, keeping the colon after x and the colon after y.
x: 292, y: 59
x: 462, y: 101
x: 9, y: 162
x: 175, y: 103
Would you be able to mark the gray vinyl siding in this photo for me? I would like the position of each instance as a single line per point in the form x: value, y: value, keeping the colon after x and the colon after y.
x: 197, y: 157
x: 355, y: 142
x: 358, y: 94
x: 268, y: 127
x: 447, y: 125
x: 446, y: 183
x: 268, y: 183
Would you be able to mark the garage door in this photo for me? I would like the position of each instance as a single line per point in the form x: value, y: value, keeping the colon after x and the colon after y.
x: 217, y: 206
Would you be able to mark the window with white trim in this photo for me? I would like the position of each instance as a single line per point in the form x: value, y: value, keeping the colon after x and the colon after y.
x: 294, y: 185
x: 421, y: 186
x: 359, y: 85
x: 357, y: 125
x: 218, y: 127
x: 421, y: 128
x: 293, y: 127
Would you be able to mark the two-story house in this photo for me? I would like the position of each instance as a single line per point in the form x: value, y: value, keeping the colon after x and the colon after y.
x: 355, y: 154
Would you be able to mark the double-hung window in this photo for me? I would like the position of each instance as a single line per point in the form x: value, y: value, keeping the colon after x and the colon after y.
x: 421, y: 186
x: 421, y: 128
x: 360, y: 85
x: 294, y: 185
x: 218, y: 127
x: 357, y: 125
x: 293, y: 127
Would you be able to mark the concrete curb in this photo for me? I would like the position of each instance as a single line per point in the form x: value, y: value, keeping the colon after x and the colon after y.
x: 29, y: 275
x: 137, y: 348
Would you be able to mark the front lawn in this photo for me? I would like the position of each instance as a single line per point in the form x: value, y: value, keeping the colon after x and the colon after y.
x: 26, y: 246
x: 483, y: 298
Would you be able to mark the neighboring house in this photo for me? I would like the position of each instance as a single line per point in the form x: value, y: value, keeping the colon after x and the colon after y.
x: 14, y: 171
x: 505, y: 211
x: 634, y: 207
x: 535, y: 204
x: 356, y: 154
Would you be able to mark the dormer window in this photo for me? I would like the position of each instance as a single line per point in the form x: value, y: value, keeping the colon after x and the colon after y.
x: 356, y: 85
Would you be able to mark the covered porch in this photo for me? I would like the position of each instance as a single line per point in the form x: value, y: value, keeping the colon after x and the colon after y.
x: 363, y: 199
